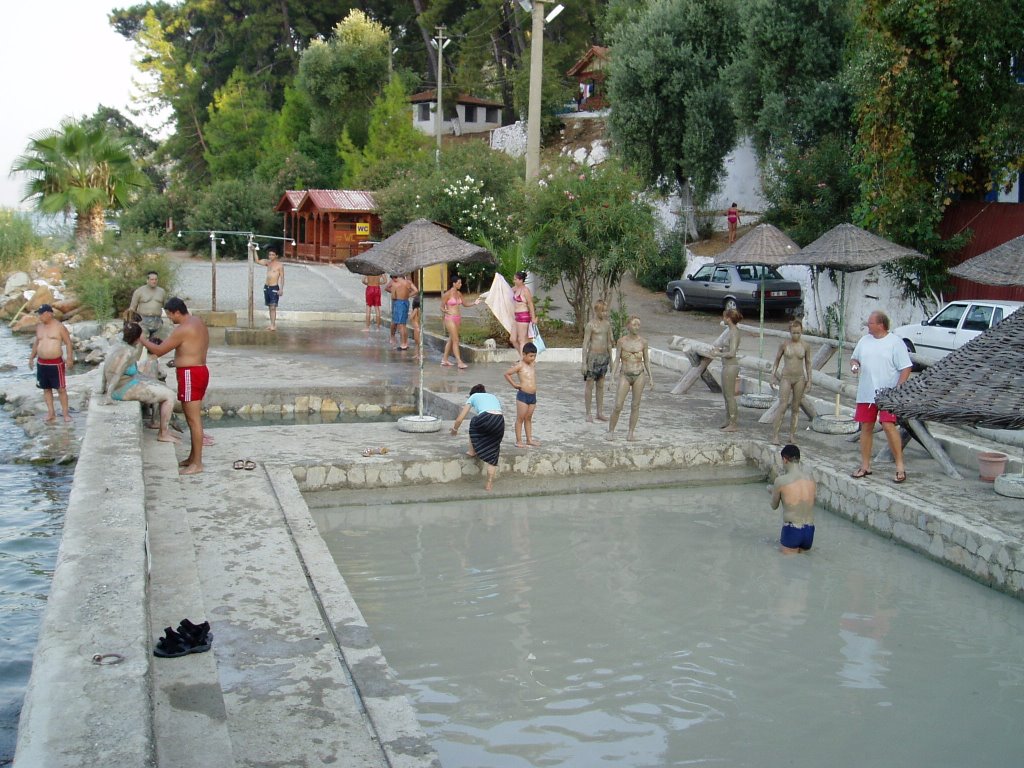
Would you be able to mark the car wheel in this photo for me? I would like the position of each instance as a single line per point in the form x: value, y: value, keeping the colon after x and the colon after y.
x: 731, y: 304
x: 678, y: 301
x: 915, y: 367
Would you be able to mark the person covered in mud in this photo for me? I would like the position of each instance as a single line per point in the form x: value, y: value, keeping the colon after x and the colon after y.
x: 631, y: 363
x: 122, y: 380
x: 795, y: 355
x: 598, y: 341
x: 795, y: 490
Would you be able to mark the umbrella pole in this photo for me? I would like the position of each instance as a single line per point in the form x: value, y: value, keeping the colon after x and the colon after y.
x: 842, y: 331
x: 760, y: 341
x: 419, y: 343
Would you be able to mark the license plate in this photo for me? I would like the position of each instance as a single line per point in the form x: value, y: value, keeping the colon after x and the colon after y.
x: 778, y: 293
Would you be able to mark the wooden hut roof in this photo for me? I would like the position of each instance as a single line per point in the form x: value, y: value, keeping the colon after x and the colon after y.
x: 290, y: 200
x: 337, y: 200
x: 597, y: 53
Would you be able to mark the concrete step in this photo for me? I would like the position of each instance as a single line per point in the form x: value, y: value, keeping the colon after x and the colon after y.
x: 189, y: 717
x: 289, y: 698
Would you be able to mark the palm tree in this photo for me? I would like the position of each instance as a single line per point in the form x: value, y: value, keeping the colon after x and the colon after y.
x: 82, y: 170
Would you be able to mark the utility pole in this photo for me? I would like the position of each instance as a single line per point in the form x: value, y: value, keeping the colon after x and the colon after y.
x: 536, y: 73
x: 440, y: 43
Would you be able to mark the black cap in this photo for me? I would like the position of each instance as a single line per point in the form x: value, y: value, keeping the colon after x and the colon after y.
x: 44, y: 308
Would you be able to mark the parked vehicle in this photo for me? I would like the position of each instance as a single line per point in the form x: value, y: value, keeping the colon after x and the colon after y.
x: 953, y: 326
x: 735, y: 286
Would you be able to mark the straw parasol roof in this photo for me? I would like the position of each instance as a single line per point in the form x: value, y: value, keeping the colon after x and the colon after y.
x: 417, y: 245
x: 1003, y: 265
x: 851, y: 249
x: 764, y: 244
x: 980, y: 384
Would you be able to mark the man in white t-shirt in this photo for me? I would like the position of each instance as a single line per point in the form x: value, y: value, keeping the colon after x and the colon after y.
x: 881, y: 360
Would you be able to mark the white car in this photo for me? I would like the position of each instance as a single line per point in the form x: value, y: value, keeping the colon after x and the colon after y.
x: 953, y: 326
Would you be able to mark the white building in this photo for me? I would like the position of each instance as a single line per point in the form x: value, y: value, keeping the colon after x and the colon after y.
x: 472, y: 115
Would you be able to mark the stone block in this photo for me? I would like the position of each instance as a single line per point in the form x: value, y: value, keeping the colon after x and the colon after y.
x: 216, y: 412
x: 222, y: 319
x: 328, y: 405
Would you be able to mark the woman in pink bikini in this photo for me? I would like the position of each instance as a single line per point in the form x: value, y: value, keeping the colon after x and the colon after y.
x: 452, y: 302
x: 733, y: 217
x: 522, y: 300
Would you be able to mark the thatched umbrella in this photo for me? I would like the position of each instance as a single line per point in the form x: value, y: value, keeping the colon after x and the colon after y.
x: 847, y: 248
x: 1003, y: 265
x: 764, y: 244
x: 980, y: 384
x: 417, y: 245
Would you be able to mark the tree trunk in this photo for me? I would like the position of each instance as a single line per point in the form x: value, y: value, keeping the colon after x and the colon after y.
x: 425, y: 33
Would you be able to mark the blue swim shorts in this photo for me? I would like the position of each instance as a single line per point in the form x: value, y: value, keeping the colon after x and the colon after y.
x: 271, y: 295
x: 530, y: 398
x: 400, y: 311
x: 797, y: 536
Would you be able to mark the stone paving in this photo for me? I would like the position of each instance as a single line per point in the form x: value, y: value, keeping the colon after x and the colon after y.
x: 295, y: 677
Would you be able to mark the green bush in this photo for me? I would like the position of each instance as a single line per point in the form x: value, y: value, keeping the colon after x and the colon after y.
x: 18, y: 240
x: 111, y: 270
x: 669, y: 264
x: 235, y: 206
x: 150, y: 214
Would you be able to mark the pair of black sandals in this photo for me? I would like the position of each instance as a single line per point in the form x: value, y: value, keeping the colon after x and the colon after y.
x: 189, y: 638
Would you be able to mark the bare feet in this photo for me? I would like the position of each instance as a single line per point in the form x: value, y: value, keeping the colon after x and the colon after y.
x: 67, y: 418
x: 534, y: 443
x: 463, y: 366
x: 50, y: 419
x: 730, y: 428
x: 446, y: 364
x: 185, y: 462
x: 631, y: 438
x: 167, y: 437
x: 208, y: 439
x: 191, y: 469
x: 489, y: 484
x: 601, y: 418
x: 520, y: 444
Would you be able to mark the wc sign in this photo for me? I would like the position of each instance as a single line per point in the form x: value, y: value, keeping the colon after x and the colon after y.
x: 363, y: 228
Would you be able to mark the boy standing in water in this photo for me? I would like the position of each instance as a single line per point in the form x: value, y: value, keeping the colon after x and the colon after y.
x: 51, y: 367
x: 796, y: 490
x: 526, y: 397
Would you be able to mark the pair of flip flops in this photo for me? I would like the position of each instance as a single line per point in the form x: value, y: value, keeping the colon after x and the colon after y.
x: 375, y: 451
x: 248, y: 464
x: 188, y: 638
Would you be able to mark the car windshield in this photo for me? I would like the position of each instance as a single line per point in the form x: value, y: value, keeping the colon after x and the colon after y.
x: 950, y: 316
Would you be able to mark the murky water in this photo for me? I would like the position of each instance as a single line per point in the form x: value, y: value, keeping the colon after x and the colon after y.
x: 664, y: 628
x: 32, y: 509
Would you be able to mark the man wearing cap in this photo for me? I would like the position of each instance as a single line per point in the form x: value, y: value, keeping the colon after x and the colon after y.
x: 52, y: 338
x: 148, y: 301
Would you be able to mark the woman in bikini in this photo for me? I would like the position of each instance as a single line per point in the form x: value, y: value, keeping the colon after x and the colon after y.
x: 796, y: 376
x: 452, y: 302
x: 632, y: 361
x: 122, y: 380
x: 732, y: 216
x: 524, y: 312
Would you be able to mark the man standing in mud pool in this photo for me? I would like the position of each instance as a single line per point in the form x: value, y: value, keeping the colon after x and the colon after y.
x: 190, y: 341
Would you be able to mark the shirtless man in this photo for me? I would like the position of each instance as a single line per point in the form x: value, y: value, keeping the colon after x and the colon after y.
x: 632, y: 362
x: 148, y: 302
x: 51, y: 366
x: 373, y: 284
x: 796, y: 490
x: 796, y: 377
x: 273, y: 285
x: 598, y: 340
x: 190, y: 341
x: 401, y: 288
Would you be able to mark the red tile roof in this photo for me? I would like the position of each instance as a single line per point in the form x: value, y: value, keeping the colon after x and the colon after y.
x: 339, y: 200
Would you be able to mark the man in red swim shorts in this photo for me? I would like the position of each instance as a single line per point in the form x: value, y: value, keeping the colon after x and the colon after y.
x: 373, y: 284
x: 190, y: 341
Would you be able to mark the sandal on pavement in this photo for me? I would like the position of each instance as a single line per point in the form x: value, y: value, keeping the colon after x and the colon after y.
x: 901, y: 476
x: 249, y: 464
x: 239, y: 464
x: 860, y: 472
